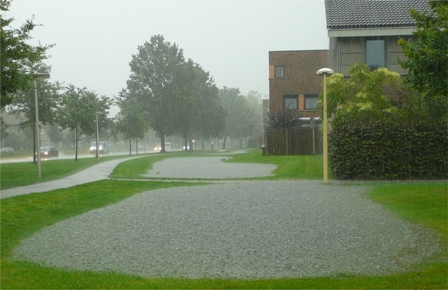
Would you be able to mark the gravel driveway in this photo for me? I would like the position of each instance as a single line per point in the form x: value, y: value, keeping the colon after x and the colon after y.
x: 236, y: 230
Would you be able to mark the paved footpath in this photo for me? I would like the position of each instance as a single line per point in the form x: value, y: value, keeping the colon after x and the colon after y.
x: 97, y: 172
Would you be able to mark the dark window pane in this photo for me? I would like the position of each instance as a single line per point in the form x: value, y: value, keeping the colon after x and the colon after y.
x: 375, y: 54
x: 291, y: 102
x: 279, y: 71
x: 311, y: 101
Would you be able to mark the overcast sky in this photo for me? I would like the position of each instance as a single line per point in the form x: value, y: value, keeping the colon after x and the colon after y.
x: 95, y: 39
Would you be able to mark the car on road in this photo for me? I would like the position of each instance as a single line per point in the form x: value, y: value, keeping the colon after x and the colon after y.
x: 103, y: 148
x: 49, y: 151
x: 6, y: 150
x: 167, y: 147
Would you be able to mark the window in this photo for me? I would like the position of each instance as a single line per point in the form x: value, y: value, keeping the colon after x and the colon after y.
x: 311, y: 101
x: 279, y: 71
x: 375, y: 53
x: 290, y: 102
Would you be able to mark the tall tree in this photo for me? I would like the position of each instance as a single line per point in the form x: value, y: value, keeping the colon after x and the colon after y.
x: 78, y: 112
x: 130, y: 122
x: 151, y: 82
x: 198, y: 110
x: 15, y: 52
x: 239, y: 117
x: 427, y: 57
x: 24, y: 104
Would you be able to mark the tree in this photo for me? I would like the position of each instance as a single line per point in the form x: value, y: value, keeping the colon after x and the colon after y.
x: 152, y: 83
x: 361, y: 95
x: 427, y: 58
x: 15, y: 52
x: 78, y: 111
x: 130, y: 121
x: 198, y: 110
x: 239, y: 120
x: 54, y: 133
x: 48, y: 97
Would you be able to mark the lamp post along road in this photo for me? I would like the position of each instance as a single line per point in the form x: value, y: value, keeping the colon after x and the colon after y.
x: 36, y: 76
x: 325, y: 72
x: 97, y: 136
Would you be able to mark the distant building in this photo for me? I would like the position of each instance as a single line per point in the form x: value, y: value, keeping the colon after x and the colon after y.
x: 368, y: 31
x: 293, y: 83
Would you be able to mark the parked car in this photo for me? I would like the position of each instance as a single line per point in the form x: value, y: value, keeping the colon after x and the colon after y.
x: 6, y: 150
x: 103, y: 147
x: 48, y: 151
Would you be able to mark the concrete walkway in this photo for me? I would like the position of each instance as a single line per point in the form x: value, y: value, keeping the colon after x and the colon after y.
x: 97, y: 172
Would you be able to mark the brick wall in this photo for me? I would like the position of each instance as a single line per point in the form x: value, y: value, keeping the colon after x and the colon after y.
x: 300, y: 77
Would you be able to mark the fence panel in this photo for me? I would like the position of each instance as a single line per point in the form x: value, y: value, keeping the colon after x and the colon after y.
x: 294, y: 142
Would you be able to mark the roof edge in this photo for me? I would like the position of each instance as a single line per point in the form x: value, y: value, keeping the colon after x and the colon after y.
x: 396, y: 31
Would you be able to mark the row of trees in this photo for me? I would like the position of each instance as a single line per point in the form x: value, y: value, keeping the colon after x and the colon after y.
x: 164, y: 92
x: 172, y: 95
x: 67, y: 106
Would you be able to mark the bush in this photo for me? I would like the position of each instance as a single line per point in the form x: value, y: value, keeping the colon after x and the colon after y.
x: 389, y: 149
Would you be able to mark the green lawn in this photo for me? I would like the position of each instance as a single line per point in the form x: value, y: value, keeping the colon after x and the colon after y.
x: 25, y: 173
x: 21, y: 216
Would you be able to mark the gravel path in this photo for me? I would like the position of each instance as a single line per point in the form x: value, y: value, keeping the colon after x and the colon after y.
x: 236, y: 230
x: 208, y: 167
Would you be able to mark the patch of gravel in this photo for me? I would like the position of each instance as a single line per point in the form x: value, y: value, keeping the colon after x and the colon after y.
x: 236, y: 230
x: 208, y: 167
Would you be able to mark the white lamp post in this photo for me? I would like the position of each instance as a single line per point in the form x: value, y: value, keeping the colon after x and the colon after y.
x: 97, y: 136
x: 325, y: 72
x: 38, y: 76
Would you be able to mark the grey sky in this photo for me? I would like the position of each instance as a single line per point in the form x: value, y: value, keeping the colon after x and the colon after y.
x: 95, y: 40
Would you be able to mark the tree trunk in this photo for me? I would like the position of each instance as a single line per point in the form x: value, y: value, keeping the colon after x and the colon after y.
x: 162, y: 142
x: 224, y: 143
x: 130, y: 146
x: 76, y: 144
x: 34, y: 145
x: 136, y: 146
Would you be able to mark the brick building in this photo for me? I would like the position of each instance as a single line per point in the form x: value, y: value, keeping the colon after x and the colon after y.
x: 293, y: 83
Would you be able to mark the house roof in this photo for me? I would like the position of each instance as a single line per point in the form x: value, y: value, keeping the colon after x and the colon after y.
x: 353, y: 14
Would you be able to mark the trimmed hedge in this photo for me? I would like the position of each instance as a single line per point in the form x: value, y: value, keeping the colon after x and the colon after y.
x: 387, y: 149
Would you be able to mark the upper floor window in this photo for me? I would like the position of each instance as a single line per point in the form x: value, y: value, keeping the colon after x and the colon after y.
x: 311, y: 101
x: 290, y: 102
x: 279, y: 71
x: 375, y: 53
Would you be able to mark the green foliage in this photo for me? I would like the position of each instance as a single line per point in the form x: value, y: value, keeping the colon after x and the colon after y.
x: 48, y: 95
x: 239, y: 121
x: 151, y: 83
x: 15, y: 52
x: 427, y: 58
x: 362, y: 95
x: 78, y: 109
x: 173, y: 95
x: 389, y: 149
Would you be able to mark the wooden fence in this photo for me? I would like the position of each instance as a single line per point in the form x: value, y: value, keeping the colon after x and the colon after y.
x: 305, y: 141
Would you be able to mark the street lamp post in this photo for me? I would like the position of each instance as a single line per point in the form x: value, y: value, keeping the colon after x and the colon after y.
x: 97, y: 137
x: 325, y: 72
x: 38, y: 76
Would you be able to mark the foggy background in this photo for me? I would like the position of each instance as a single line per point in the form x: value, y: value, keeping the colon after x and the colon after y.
x: 231, y: 39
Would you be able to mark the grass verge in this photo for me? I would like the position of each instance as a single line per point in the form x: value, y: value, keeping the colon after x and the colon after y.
x: 25, y: 173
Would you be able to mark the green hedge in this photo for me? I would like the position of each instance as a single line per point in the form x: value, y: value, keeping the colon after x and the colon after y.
x: 388, y: 149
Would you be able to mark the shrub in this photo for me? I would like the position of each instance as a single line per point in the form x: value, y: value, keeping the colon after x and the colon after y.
x: 389, y: 149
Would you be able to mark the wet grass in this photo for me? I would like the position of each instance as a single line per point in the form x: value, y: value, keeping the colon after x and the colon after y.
x: 21, y: 216
x: 25, y: 173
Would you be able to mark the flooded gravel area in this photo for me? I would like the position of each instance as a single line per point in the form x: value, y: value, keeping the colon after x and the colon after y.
x: 237, y: 230
x: 208, y: 168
